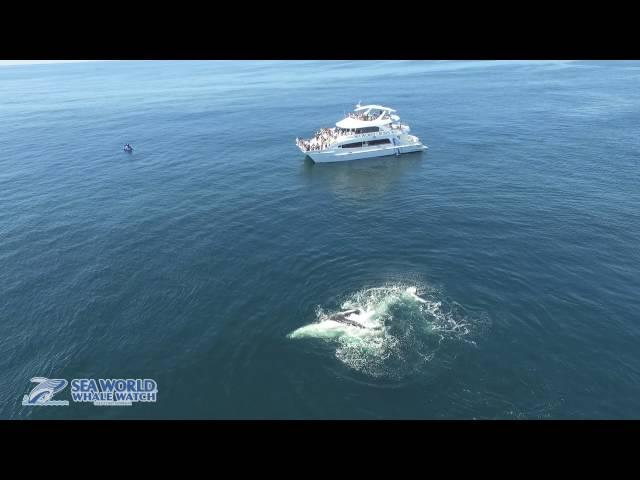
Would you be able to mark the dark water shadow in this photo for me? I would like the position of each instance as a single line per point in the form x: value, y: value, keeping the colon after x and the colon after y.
x: 362, y: 179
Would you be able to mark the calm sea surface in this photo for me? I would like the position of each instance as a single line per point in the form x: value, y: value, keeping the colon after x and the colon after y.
x: 211, y: 257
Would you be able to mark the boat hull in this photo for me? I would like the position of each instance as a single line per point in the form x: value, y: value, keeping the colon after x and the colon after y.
x: 338, y: 155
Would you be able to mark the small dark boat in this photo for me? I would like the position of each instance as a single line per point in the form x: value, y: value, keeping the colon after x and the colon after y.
x: 128, y: 148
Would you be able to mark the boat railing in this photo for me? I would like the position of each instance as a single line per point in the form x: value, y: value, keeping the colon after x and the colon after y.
x: 370, y: 134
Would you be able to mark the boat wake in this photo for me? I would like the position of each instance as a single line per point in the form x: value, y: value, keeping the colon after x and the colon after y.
x: 403, y: 331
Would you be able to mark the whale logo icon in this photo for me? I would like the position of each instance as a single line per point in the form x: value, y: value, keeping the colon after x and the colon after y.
x: 43, y: 393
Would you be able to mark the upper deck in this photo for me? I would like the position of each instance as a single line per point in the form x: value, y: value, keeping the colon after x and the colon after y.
x: 368, y: 116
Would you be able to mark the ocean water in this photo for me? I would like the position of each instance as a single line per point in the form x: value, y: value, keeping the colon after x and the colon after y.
x: 211, y: 259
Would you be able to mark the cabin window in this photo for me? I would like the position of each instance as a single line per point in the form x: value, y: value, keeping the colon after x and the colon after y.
x: 379, y: 142
x: 352, y: 145
x: 367, y: 129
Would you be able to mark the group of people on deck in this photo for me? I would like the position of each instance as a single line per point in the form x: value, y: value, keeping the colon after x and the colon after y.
x: 322, y: 139
x: 368, y: 117
x: 360, y: 116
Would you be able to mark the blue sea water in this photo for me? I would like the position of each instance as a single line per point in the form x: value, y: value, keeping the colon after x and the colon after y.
x: 211, y: 257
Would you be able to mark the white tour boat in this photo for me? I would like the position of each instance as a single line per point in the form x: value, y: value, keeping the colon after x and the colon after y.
x: 369, y: 131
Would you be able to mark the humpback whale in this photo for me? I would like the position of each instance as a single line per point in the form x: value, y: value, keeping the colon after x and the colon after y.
x: 341, y: 317
x: 413, y: 291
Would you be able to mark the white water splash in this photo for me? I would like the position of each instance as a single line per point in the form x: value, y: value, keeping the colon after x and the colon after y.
x: 402, y: 330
